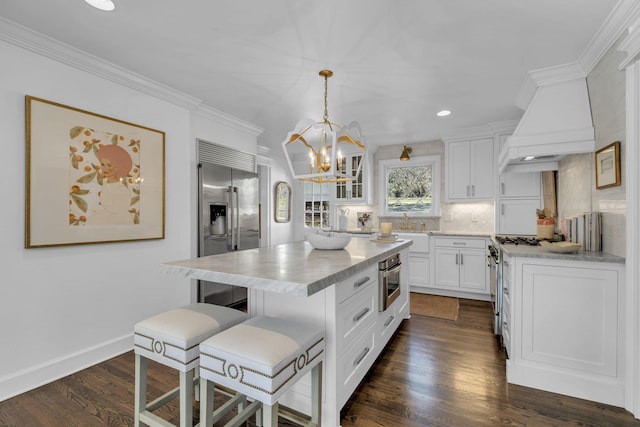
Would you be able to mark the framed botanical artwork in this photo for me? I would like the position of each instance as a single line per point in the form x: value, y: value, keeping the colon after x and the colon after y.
x: 608, y: 166
x: 282, y: 205
x: 90, y: 178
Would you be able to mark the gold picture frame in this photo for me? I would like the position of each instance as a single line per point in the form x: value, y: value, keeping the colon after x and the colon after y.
x: 90, y: 178
x: 282, y: 202
x: 607, y: 161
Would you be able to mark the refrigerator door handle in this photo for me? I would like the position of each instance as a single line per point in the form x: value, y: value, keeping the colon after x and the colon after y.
x: 236, y: 217
x: 230, y: 214
x: 233, y: 228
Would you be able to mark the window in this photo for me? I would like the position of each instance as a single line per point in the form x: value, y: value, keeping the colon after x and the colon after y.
x: 411, y: 187
x: 316, y: 204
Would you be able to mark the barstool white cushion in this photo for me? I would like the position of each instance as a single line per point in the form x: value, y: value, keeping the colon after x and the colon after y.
x: 261, y: 357
x: 172, y: 337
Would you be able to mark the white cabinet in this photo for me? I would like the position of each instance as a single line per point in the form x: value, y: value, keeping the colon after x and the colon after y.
x: 520, y: 185
x: 518, y: 216
x: 565, y: 327
x: 461, y: 264
x: 419, y: 262
x: 470, y: 169
x: 518, y: 197
x: 359, y: 190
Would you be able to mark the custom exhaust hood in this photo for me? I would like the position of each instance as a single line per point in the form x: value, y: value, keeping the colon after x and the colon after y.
x: 557, y: 122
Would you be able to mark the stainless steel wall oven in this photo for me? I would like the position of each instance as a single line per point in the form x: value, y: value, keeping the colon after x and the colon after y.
x: 389, y: 281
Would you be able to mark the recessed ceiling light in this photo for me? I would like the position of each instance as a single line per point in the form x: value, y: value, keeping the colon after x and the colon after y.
x: 106, y: 5
x: 443, y: 113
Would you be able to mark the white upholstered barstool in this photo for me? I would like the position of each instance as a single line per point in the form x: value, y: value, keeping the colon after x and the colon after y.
x: 172, y: 338
x: 261, y: 358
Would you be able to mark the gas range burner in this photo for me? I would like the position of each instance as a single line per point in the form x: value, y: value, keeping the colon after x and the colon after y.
x: 518, y: 240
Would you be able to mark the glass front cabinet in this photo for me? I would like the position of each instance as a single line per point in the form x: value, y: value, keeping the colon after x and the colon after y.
x: 316, y: 205
x: 352, y: 191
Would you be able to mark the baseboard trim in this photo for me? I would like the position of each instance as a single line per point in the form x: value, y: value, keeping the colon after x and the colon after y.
x: 598, y: 388
x: 39, y: 375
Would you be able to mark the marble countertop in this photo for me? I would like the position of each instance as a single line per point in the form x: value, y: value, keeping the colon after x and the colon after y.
x: 292, y: 268
x: 541, y: 252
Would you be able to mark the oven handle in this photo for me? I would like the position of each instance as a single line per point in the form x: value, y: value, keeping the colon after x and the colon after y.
x: 385, y: 273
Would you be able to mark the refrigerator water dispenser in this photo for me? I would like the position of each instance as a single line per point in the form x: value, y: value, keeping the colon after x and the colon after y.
x: 218, y: 216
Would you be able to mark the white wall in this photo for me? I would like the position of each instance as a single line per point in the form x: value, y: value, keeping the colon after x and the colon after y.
x: 65, y: 308
x: 576, y: 188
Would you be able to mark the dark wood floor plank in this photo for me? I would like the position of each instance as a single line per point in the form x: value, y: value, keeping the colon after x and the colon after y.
x: 434, y: 372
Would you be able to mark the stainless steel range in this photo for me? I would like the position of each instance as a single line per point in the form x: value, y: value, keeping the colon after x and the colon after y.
x: 494, y: 262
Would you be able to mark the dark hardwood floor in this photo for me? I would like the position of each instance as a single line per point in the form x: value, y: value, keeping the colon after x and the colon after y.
x: 434, y: 373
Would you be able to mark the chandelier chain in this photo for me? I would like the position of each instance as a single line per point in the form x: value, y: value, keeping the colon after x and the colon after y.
x: 326, y: 112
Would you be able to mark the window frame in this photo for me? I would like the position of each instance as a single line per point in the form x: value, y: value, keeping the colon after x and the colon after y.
x: 434, y: 161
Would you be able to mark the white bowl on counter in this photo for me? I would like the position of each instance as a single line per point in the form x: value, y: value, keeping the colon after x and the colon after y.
x: 328, y: 240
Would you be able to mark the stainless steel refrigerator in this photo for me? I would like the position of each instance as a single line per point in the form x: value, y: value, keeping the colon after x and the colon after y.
x: 228, y: 221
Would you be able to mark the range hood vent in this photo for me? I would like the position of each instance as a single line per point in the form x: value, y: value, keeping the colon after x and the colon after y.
x: 556, y: 122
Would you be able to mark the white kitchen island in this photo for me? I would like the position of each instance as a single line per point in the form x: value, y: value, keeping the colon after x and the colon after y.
x: 336, y: 290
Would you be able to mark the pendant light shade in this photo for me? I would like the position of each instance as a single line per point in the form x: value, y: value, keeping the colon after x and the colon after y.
x: 316, y: 151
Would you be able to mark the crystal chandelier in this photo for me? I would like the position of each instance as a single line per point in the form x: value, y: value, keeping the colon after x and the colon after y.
x: 317, y: 151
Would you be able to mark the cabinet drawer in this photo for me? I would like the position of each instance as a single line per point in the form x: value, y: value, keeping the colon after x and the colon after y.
x: 354, y: 364
x: 388, y: 321
x: 356, y: 283
x: 355, y: 315
x: 453, y: 242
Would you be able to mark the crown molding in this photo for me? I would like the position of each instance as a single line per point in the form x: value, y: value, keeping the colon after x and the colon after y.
x: 630, y: 44
x: 506, y: 126
x: 547, y: 76
x: 467, y: 133
x: 623, y: 14
x: 40, y: 44
x: 211, y: 113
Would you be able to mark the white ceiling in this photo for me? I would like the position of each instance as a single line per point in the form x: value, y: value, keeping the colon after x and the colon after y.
x: 396, y: 63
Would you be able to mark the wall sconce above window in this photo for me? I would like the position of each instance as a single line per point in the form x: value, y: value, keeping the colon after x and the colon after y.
x: 405, y: 153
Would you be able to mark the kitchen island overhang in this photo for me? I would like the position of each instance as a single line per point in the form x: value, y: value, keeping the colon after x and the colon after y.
x: 290, y: 268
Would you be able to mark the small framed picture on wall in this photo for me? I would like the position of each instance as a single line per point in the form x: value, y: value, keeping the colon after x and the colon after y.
x: 608, y: 166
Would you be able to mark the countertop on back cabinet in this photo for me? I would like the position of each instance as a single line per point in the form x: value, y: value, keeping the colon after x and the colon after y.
x: 291, y: 268
x: 540, y: 252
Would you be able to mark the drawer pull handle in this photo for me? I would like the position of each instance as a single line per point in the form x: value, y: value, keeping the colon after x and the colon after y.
x: 460, y: 243
x: 361, y: 282
x: 389, y: 320
x: 360, y: 315
x: 362, y: 356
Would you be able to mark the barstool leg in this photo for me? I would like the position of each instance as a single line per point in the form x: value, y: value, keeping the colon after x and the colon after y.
x: 186, y: 400
x: 140, y: 399
x: 207, y: 390
x: 270, y: 415
x: 316, y: 394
